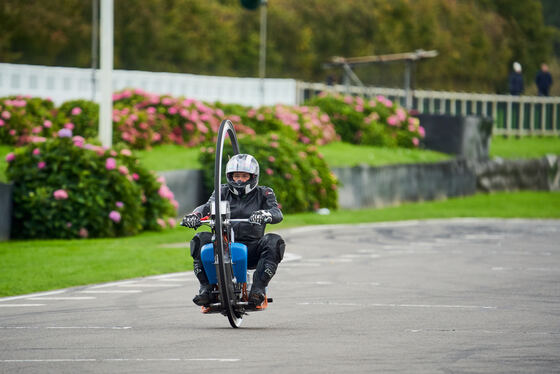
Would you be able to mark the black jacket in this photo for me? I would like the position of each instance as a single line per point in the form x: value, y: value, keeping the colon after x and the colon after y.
x: 543, y: 81
x: 516, y: 84
x: 261, y: 198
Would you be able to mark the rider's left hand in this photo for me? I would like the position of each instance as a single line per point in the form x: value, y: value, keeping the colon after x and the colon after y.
x: 260, y: 217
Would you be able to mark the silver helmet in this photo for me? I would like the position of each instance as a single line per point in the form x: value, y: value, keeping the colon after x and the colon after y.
x: 242, y: 163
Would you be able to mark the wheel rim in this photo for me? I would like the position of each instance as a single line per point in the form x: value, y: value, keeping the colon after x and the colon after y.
x: 224, y: 276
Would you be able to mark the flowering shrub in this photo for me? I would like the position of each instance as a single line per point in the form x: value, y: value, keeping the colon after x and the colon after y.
x: 22, y: 119
x: 142, y: 120
x: 376, y: 121
x: 139, y: 128
x: 298, y: 174
x: 65, y: 188
x: 80, y: 116
x: 305, y: 124
x: 177, y: 120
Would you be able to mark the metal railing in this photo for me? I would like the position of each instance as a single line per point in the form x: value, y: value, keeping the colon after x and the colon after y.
x: 512, y: 115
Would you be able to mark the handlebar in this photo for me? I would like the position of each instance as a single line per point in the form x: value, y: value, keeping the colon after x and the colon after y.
x: 210, y: 222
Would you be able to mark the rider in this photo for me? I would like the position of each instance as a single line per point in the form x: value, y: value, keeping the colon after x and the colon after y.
x: 247, y: 200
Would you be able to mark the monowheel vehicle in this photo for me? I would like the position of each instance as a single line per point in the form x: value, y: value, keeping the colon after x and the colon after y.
x: 224, y: 260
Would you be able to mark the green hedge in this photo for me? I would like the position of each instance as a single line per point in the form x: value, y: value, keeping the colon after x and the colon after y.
x: 298, y: 174
x: 65, y: 188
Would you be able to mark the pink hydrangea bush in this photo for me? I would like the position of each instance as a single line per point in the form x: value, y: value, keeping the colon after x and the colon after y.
x: 304, y: 124
x: 310, y: 125
x: 140, y: 129
x: 24, y: 119
x: 374, y: 121
x: 80, y: 116
x: 67, y: 188
x: 184, y: 121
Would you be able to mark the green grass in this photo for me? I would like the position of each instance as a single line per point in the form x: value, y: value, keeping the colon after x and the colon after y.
x: 40, y: 265
x: 344, y: 154
x: 526, y: 147
x: 169, y: 157
x: 526, y: 204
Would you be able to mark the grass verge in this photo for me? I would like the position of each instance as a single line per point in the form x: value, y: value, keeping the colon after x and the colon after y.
x: 40, y: 265
x: 344, y: 154
x: 526, y: 147
x: 169, y: 157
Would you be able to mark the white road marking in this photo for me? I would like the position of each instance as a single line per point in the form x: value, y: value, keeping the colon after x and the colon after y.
x: 403, y: 305
x: 112, y: 291
x: 32, y: 295
x: 172, y: 275
x: 62, y: 298
x: 18, y: 305
x: 289, y: 257
x: 113, y: 284
x: 65, y: 327
x: 148, y: 285
x: 177, y: 280
x: 301, y: 264
x: 486, y: 331
x: 121, y: 359
x: 320, y: 283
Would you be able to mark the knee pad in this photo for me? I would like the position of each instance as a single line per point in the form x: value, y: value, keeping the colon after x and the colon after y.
x: 275, y: 247
x: 198, y: 241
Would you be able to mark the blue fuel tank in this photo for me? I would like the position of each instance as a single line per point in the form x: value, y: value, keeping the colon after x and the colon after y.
x: 238, y: 259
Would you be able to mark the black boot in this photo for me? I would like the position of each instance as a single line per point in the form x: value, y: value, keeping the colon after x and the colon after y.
x: 258, y: 293
x: 204, y: 295
x: 261, y: 277
x: 205, y: 291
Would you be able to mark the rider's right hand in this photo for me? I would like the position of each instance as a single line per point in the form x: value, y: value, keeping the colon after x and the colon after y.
x: 191, y: 220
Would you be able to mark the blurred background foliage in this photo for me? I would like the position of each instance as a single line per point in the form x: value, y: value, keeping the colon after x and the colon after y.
x: 477, y: 40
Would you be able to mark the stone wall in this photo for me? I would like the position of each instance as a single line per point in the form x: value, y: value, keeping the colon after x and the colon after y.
x: 366, y: 186
x: 187, y: 186
x: 511, y: 175
x: 5, y: 210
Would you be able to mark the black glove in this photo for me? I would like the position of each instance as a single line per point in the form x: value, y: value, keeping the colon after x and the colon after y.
x: 260, y: 217
x: 191, y: 220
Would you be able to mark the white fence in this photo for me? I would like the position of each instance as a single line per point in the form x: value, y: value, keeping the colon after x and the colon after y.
x: 62, y: 84
x: 512, y: 115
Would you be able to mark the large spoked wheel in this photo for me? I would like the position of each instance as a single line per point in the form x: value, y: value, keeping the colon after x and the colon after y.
x: 224, y: 273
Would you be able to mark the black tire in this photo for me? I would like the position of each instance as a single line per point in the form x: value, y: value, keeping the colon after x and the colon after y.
x: 224, y: 273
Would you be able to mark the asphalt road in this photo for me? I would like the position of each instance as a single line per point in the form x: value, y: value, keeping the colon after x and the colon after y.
x: 449, y: 296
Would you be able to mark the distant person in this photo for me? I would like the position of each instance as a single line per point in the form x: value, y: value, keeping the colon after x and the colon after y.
x: 516, y: 80
x: 543, y: 80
